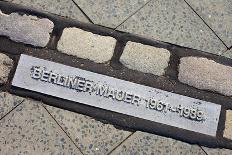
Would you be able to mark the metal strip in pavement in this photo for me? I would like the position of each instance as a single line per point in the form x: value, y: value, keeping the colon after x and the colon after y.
x: 116, y: 95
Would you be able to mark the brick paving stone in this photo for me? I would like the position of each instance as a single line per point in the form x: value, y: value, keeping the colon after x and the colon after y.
x: 86, y: 45
x: 5, y: 66
x: 217, y: 14
x: 228, y: 125
x: 27, y: 29
x: 8, y: 102
x: 145, y: 58
x: 206, y: 74
x: 212, y: 151
x: 90, y: 135
x: 145, y: 143
x: 110, y: 13
x: 66, y: 8
x: 29, y: 129
x: 175, y: 22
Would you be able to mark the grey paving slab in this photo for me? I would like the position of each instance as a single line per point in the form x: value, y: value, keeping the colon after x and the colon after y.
x: 228, y: 54
x: 175, y: 22
x: 29, y: 129
x: 64, y: 8
x: 8, y: 102
x: 91, y: 136
x: 212, y: 151
x: 145, y: 143
x: 110, y: 13
x: 217, y: 14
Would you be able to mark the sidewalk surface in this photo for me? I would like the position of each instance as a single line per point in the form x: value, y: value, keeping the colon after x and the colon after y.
x: 28, y: 126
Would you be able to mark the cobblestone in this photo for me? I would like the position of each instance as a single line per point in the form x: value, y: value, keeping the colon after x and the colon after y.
x: 206, y: 74
x: 145, y: 58
x: 5, y: 66
x: 86, y: 45
x: 228, y: 125
x: 27, y: 29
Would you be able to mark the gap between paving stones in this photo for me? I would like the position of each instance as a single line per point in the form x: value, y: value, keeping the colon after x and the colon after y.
x: 171, y: 73
x: 11, y: 109
x: 62, y: 129
x: 82, y: 11
x: 203, y: 150
x: 132, y: 14
x: 121, y: 143
x: 206, y: 24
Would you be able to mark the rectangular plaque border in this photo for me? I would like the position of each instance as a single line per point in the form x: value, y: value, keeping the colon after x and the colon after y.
x: 13, y: 83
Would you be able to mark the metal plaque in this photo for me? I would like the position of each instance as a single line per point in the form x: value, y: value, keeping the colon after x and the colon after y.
x: 116, y: 95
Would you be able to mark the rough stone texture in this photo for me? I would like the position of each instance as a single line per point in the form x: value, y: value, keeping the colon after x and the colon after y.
x: 217, y: 14
x: 27, y: 29
x: 91, y: 136
x: 145, y: 58
x: 228, y: 54
x: 86, y: 45
x: 66, y: 8
x: 110, y: 13
x: 145, y: 143
x: 206, y: 74
x: 29, y: 129
x: 211, y: 151
x: 228, y: 125
x: 5, y: 66
x: 8, y: 102
x: 175, y: 22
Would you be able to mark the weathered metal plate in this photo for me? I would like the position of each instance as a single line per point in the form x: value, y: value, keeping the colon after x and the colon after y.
x: 116, y: 95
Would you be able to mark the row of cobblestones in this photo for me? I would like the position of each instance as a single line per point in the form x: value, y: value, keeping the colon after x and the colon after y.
x: 198, y: 72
